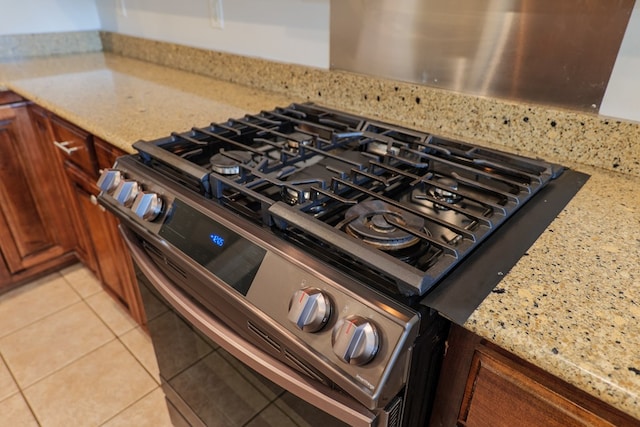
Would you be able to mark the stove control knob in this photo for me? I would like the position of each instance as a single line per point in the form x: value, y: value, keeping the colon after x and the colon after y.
x: 355, y: 340
x: 309, y: 309
x: 109, y: 180
x: 147, y: 205
x: 126, y: 192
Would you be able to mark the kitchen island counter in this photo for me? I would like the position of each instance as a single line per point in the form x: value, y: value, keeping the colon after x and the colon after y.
x: 570, y: 306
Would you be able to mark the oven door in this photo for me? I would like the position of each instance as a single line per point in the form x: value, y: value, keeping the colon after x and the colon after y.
x: 214, y: 377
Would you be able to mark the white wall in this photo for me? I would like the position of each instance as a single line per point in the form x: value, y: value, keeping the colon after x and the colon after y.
x: 294, y: 31
x: 622, y: 97
x: 47, y: 16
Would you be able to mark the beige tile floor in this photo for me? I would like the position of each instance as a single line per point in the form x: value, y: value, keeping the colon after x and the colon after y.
x: 71, y: 356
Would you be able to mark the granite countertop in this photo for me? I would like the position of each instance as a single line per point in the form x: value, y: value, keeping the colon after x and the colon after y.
x: 570, y: 306
x: 123, y: 100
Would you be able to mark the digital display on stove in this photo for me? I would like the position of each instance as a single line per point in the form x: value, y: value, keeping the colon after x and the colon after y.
x: 229, y: 256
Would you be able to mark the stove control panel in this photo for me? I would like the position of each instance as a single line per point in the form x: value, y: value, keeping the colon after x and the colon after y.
x: 147, y: 205
x: 309, y: 309
x: 109, y: 180
x: 130, y: 193
x: 362, y: 336
x: 355, y: 340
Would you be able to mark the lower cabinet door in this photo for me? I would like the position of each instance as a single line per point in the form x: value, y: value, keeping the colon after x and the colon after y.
x: 107, y: 256
x: 34, y: 232
x: 98, y: 225
x: 84, y: 215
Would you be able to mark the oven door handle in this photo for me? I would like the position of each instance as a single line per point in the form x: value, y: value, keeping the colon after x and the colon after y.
x: 315, y: 393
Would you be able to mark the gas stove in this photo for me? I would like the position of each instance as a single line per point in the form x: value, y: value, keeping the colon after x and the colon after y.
x: 330, y: 240
x: 374, y: 197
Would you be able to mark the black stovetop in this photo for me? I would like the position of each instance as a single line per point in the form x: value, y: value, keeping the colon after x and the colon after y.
x: 383, y: 202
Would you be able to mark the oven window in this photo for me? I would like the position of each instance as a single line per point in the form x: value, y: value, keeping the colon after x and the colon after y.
x: 206, y: 385
x: 223, y: 252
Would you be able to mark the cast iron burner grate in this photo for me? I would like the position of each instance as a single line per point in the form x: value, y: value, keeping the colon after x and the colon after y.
x: 312, y: 173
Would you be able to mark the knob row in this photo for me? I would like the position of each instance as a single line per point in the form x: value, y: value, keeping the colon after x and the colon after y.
x: 354, y: 339
x: 145, y: 204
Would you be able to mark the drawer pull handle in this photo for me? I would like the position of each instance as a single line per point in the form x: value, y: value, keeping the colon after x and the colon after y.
x: 64, y: 147
x: 94, y: 201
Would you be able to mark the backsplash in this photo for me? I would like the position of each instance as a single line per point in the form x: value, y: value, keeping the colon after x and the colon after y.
x: 29, y: 45
x: 547, y: 53
x: 551, y: 133
x: 555, y: 134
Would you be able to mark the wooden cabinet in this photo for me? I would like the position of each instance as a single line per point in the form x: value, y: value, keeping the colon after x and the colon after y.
x: 49, y: 216
x: 74, y: 150
x: 100, y: 246
x: 115, y: 264
x: 484, y: 385
x: 35, y: 232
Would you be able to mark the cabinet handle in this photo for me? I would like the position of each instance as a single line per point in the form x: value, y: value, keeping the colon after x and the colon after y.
x: 94, y: 200
x: 64, y: 147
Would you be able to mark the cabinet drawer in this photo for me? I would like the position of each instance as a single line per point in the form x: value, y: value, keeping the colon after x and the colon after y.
x: 503, y: 391
x: 106, y: 153
x: 8, y: 97
x: 74, y: 145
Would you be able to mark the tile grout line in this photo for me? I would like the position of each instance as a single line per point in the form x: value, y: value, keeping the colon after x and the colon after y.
x: 81, y: 301
x: 66, y: 365
x: 118, y: 338
x: 82, y: 297
x: 104, y: 322
x: 90, y: 308
x: 139, y: 361
x: 144, y: 396
x: 51, y: 313
x: 39, y: 319
x: 77, y: 360
x: 73, y: 289
x: 20, y: 391
x: 115, y: 337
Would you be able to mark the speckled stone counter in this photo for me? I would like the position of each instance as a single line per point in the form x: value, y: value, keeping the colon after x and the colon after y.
x: 570, y: 306
x: 122, y: 100
x: 31, y: 45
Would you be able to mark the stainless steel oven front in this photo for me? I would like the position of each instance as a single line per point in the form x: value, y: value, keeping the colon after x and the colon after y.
x: 213, y: 376
x: 245, y: 345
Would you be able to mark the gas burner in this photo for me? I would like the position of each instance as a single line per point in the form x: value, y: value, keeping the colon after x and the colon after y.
x: 373, y: 221
x: 461, y: 217
x: 228, y: 162
x: 443, y: 194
